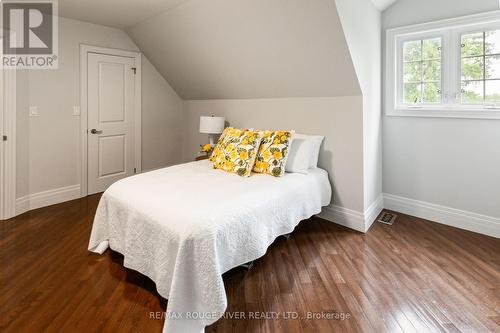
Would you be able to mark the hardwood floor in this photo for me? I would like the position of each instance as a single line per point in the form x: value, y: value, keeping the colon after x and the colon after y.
x: 414, y: 276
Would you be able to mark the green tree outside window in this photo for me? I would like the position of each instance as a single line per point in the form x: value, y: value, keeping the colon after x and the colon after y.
x: 422, y: 71
x: 480, y: 73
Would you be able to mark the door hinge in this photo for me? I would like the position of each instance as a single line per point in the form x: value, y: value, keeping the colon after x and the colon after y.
x: 135, y: 170
x: 4, y: 137
x: 135, y: 70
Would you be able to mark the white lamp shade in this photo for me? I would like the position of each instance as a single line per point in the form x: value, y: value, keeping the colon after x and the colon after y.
x: 212, y: 125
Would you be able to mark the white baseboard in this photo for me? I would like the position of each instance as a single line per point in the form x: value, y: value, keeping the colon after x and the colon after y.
x: 22, y: 205
x: 373, y: 212
x: 47, y: 198
x: 351, y: 218
x: 347, y: 217
x: 482, y: 224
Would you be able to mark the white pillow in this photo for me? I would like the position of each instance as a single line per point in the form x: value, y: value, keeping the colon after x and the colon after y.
x: 304, y: 153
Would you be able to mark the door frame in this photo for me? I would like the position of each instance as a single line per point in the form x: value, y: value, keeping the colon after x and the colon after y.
x: 84, y: 51
x: 7, y: 148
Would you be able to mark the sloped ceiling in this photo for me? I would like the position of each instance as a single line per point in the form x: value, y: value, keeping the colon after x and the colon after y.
x: 240, y: 49
x: 114, y: 13
x: 127, y: 13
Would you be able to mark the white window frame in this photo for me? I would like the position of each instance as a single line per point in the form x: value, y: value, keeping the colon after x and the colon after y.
x: 450, y: 32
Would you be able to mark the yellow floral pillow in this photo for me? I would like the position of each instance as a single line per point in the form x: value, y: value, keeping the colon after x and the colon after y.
x: 273, y: 152
x: 236, y: 151
x: 219, y: 147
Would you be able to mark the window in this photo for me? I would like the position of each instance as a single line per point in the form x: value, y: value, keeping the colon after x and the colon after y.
x: 449, y: 68
x: 480, y: 67
x: 422, y: 71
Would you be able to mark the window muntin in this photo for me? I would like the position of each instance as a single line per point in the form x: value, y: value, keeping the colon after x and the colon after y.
x: 422, y: 78
x: 480, y: 67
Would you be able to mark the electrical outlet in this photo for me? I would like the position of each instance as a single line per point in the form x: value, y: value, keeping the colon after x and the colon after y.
x: 76, y: 110
x: 34, y: 111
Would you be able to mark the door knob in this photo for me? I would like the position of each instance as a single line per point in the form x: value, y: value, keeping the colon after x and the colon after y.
x: 94, y: 131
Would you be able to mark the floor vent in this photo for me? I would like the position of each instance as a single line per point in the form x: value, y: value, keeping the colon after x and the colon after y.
x: 387, y: 218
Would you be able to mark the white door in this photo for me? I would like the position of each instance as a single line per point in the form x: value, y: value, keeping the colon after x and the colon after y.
x: 111, y: 114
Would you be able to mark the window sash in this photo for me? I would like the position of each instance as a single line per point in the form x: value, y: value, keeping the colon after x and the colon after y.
x: 457, y: 34
x: 484, y: 79
x: 400, y: 82
x: 423, y: 81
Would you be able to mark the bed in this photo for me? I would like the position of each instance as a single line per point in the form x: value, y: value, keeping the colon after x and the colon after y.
x: 185, y: 225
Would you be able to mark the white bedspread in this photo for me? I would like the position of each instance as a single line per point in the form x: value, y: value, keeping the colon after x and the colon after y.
x: 184, y: 226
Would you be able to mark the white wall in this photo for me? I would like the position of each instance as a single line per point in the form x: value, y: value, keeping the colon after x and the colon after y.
x: 361, y: 23
x: 449, y: 162
x: 339, y: 119
x: 49, y: 145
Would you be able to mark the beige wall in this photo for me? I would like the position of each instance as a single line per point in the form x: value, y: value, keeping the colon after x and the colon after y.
x: 240, y: 49
x: 276, y: 64
x: 22, y: 134
x: 52, y: 140
x: 339, y: 119
x: 161, y: 119
x: 49, y: 145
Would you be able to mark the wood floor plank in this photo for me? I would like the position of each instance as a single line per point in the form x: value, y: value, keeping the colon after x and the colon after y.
x: 414, y: 276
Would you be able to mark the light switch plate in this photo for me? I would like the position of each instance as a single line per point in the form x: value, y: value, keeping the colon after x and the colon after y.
x: 34, y: 111
x: 76, y: 110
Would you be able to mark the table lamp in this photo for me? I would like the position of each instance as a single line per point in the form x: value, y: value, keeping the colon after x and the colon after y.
x: 212, y: 126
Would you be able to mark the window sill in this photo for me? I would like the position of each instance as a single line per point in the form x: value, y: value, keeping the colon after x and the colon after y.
x: 469, y: 113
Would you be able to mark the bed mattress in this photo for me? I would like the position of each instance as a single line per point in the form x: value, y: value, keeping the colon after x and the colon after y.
x: 185, y: 225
